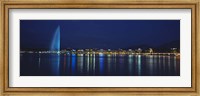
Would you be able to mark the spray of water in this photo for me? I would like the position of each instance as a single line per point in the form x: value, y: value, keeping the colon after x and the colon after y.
x: 55, y: 45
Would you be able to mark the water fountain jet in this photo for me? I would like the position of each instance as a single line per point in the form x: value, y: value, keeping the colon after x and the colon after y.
x: 55, y: 45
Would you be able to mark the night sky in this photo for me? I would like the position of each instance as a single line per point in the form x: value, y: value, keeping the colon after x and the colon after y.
x: 104, y: 34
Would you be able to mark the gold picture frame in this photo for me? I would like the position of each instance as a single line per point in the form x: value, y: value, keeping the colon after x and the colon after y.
x: 39, y: 4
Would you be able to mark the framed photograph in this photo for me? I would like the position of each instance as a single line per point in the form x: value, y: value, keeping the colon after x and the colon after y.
x: 100, y: 48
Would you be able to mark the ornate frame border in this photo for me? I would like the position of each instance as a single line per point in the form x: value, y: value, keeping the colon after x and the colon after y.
x: 6, y: 5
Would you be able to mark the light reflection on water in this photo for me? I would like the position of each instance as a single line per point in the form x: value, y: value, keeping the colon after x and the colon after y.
x: 63, y: 65
x: 73, y: 64
x: 55, y: 64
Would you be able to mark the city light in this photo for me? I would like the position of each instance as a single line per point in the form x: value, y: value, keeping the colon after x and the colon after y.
x: 106, y: 52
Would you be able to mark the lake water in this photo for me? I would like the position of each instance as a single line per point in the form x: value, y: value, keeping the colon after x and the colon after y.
x: 36, y: 64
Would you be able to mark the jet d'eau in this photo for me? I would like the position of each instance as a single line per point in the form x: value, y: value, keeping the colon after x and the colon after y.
x: 55, y: 45
x: 99, y: 48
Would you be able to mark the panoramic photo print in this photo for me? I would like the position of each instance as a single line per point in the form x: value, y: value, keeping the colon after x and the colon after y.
x: 100, y: 48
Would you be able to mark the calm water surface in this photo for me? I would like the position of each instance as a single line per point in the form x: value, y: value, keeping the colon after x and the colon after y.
x: 62, y: 65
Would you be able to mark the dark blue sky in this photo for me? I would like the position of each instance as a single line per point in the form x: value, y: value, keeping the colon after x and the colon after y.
x: 105, y: 34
